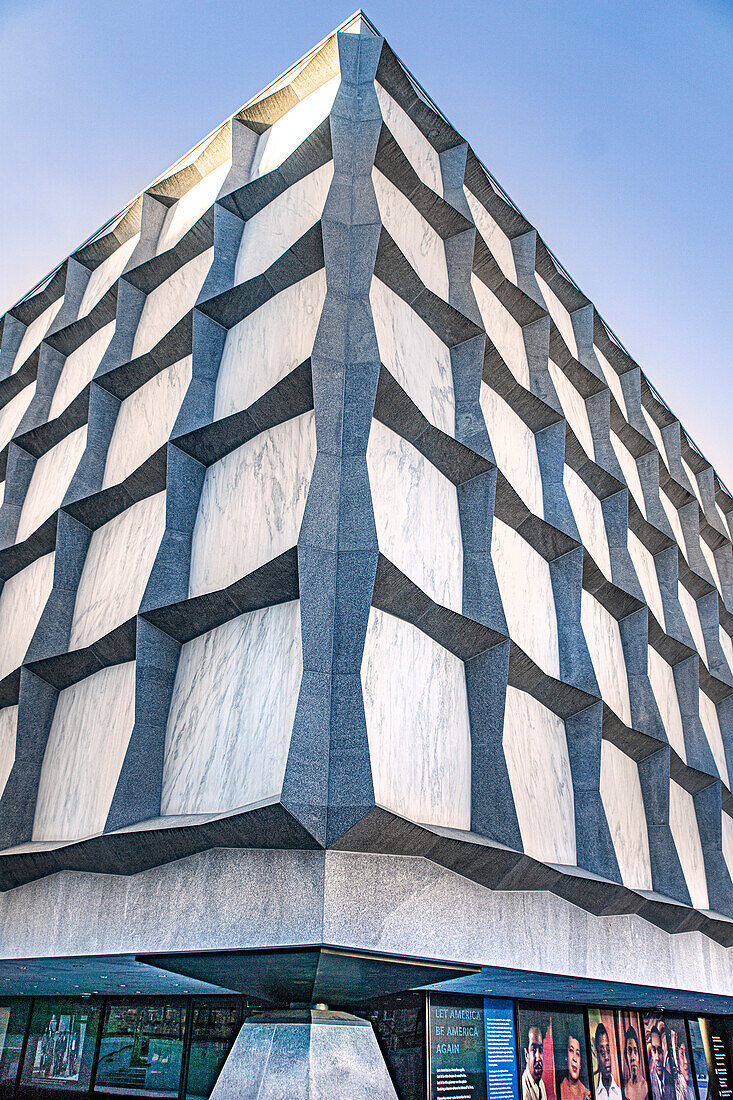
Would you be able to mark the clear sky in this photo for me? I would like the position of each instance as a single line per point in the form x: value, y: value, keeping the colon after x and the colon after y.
x: 608, y: 122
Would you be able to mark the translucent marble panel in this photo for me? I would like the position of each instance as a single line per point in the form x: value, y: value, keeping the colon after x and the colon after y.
x: 268, y: 344
x: 646, y: 571
x: 711, y: 725
x: 661, y: 677
x: 232, y: 713
x: 606, y: 653
x: 8, y: 726
x: 283, y: 138
x: 104, y: 276
x: 418, y: 150
x: 537, y: 758
x: 79, y: 368
x: 86, y: 747
x: 414, y: 356
x: 573, y: 407
x: 416, y: 512
x: 588, y: 513
x: 514, y: 448
x: 712, y: 565
x: 674, y: 519
x: 415, y: 237
x: 559, y: 315
x: 499, y: 244
x: 624, y: 805
x: 656, y: 433
x: 271, y: 231
x: 503, y: 331
x: 613, y: 381
x: 51, y: 477
x: 417, y: 723
x: 22, y: 599
x: 35, y: 332
x: 693, y: 480
x: 630, y: 470
x: 145, y: 421
x: 689, y: 606
x: 728, y: 842
x: 526, y: 594
x: 2, y: 492
x: 190, y: 207
x: 116, y: 570
x: 170, y: 301
x: 727, y: 646
x: 683, y: 823
x: 252, y: 504
x: 13, y: 412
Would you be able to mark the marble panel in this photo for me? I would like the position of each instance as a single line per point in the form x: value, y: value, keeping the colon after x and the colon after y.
x: 573, y: 407
x: 416, y: 513
x: 727, y: 646
x: 79, y: 369
x: 232, y: 713
x: 271, y: 231
x: 613, y: 381
x: 51, y: 477
x: 414, y: 356
x: 118, y: 563
x: 712, y: 565
x: 145, y: 421
x: 656, y: 433
x: 630, y: 470
x: 89, y: 736
x: 22, y: 599
x: 417, y: 723
x: 35, y: 332
x: 2, y: 492
x: 689, y: 606
x: 728, y: 842
x: 265, y: 346
x: 415, y: 237
x: 495, y: 238
x: 283, y: 138
x: 646, y: 571
x: 514, y: 448
x: 674, y: 519
x: 104, y: 276
x: 711, y: 725
x: 624, y: 805
x: 693, y: 480
x: 13, y: 412
x: 170, y: 301
x: 606, y: 653
x: 190, y: 207
x: 559, y: 314
x: 8, y: 726
x: 503, y: 331
x: 252, y: 504
x: 526, y: 594
x: 683, y: 823
x: 536, y: 752
x: 418, y: 150
x: 661, y: 677
x: 588, y: 513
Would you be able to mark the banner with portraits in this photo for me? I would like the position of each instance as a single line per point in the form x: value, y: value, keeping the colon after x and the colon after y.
x: 617, y: 1055
x: 668, y: 1057
x: 553, y: 1057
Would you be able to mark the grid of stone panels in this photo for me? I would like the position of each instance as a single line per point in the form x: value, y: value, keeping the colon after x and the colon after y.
x: 334, y: 515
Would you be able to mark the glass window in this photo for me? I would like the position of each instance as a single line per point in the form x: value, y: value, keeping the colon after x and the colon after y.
x: 13, y: 1022
x: 61, y: 1044
x: 554, y: 1061
x: 213, y: 1030
x: 400, y: 1029
x: 698, y: 1057
x: 141, y: 1049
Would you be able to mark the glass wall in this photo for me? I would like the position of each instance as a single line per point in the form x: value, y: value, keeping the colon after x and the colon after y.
x: 141, y: 1052
x: 14, y: 1014
x: 61, y: 1044
x: 214, y: 1027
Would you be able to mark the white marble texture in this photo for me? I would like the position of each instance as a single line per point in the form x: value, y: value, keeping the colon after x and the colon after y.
x: 51, y: 477
x: 232, y: 713
x: 414, y: 236
x: 22, y: 599
x: 495, y: 238
x: 414, y: 356
x: 12, y: 413
x: 661, y: 677
x: 190, y: 207
x: 712, y: 565
x: 588, y: 513
x: 689, y: 606
x: 728, y: 841
x: 504, y: 332
x: 727, y: 646
x: 2, y: 492
x: 145, y: 421
x: 603, y: 637
x: 8, y: 726
x: 116, y: 570
x: 559, y: 315
x: 693, y: 480
x: 656, y: 433
x: 526, y: 594
x: 271, y: 231
x: 613, y: 381
x: 86, y: 747
x: 108, y: 272
x: 79, y: 368
x: 252, y: 504
x: 686, y: 835
x: 630, y: 470
x: 536, y: 752
x: 573, y: 407
x: 283, y: 138
x: 514, y: 448
x: 624, y: 805
x: 646, y: 571
x: 416, y: 513
x: 417, y: 723
x: 418, y: 150
x: 265, y: 346
x: 673, y: 517
x: 711, y: 725
x: 169, y: 302
x: 35, y: 333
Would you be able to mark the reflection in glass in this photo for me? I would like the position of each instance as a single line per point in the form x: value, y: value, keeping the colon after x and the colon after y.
x: 61, y: 1044
x: 13, y: 1021
x: 213, y: 1030
x: 141, y: 1049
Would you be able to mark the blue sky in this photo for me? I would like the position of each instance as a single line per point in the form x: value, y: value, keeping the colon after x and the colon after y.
x: 608, y: 122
